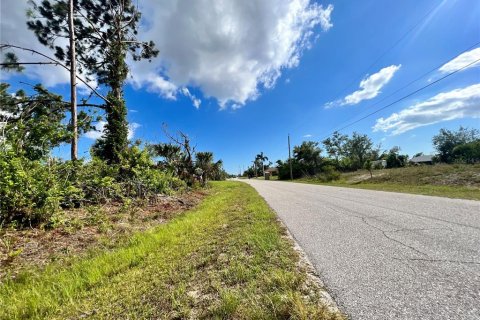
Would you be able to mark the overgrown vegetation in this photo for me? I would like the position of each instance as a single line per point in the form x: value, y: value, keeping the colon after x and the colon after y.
x: 229, y: 258
x: 34, y: 186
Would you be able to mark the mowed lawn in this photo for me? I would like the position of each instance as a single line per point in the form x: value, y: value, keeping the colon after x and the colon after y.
x: 227, y: 259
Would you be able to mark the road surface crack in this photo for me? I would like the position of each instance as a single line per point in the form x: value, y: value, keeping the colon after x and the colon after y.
x: 420, y: 229
x: 364, y: 219
x: 439, y: 260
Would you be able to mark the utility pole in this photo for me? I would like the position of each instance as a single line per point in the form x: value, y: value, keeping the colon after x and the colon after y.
x: 73, y: 82
x: 290, y: 158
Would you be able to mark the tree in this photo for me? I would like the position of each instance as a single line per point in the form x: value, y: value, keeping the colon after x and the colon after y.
x: 73, y: 81
x: 178, y: 155
x: 106, y: 31
x: 446, y: 141
x: 259, y: 161
x: 308, y: 156
x: 32, y: 125
x: 468, y: 152
x: 395, y: 159
x: 335, y: 145
x: 358, y: 149
x: 204, y: 161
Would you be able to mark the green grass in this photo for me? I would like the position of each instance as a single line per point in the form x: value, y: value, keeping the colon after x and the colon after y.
x: 227, y: 259
x: 452, y: 181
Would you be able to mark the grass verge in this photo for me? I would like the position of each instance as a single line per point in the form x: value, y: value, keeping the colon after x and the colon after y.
x: 226, y: 259
x: 455, y: 192
x: 444, y: 180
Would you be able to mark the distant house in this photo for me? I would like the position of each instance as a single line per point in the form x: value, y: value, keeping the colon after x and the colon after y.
x: 377, y: 164
x: 424, y: 159
x: 273, y: 171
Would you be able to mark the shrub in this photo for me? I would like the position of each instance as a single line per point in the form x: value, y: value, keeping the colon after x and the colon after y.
x: 29, y: 190
x: 329, y: 173
x: 33, y: 191
x: 467, y: 152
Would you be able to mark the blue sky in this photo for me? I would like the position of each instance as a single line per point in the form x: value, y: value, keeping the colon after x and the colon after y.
x: 294, y: 66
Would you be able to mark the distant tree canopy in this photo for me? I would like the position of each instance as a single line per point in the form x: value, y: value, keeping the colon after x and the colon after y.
x: 464, y: 140
x: 307, y: 156
x: 395, y: 159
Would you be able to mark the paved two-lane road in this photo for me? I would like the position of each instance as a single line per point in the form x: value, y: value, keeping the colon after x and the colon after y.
x: 386, y: 255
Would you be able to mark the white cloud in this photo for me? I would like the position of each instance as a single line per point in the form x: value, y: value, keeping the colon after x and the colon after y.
x: 154, y: 83
x: 14, y: 31
x: 462, y: 60
x: 132, y: 127
x: 96, y: 134
x: 196, y: 102
x: 455, y: 104
x: 308, y: 136
x: 369, y: 87
x: 100, y: 126
x: 227, y: 49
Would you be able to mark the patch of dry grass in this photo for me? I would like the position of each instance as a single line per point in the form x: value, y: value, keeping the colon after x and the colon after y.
x: 452, y: 181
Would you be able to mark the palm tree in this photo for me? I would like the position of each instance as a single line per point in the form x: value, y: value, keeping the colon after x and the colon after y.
x: 204, y: 161
x: 261, y: 158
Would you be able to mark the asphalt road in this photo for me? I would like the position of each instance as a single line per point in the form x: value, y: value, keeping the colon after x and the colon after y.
x: 385, y: 255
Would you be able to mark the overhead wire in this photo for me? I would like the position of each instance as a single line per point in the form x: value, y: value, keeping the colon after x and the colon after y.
x: 405, y: 97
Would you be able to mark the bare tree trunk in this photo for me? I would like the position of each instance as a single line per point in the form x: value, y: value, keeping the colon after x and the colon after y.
x: 73, y: 83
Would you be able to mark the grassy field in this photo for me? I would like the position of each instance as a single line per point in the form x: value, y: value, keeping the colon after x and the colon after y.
x: 227, y: 259
x: 453, y: 181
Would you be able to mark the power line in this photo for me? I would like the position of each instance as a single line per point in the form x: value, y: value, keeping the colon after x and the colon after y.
x: 406, y: 96
x: 354, y: 80
x: 420, y: 77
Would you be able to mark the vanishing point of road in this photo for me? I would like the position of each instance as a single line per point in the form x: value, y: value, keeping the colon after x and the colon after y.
x: 385, y: 255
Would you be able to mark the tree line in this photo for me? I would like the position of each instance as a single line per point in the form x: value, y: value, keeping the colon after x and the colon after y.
x: 102, y: 36
x: 344, y: 153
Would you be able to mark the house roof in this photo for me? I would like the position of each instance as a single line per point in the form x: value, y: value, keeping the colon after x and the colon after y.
x: 424, y: 158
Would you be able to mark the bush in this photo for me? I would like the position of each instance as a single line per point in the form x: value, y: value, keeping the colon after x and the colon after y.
x: 32, y: 191
x: 29, y: 190
x: 329, y: 173
x: 467, y: 152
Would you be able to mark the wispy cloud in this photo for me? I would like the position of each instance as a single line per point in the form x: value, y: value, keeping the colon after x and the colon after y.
x: 308, y: 135
x: 195, y: 101
x: 369, y: 88
x: 462, y: 60
x: 455, y: 104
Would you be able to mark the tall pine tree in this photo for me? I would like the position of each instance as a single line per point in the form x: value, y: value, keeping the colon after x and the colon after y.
x: 105, y: 33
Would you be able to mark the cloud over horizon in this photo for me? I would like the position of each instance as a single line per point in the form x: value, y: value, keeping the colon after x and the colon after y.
x: 227, y: 49
x: 369, y: 87
x: 454, y: 104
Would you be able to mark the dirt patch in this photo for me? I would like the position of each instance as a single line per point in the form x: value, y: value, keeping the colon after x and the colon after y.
x: 76, y: 232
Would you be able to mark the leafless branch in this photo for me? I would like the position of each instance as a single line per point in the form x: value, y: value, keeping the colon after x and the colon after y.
x: 7, y: 46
